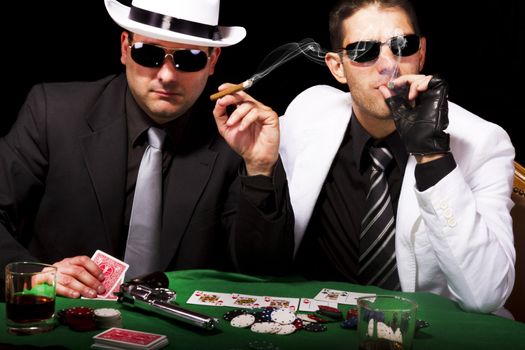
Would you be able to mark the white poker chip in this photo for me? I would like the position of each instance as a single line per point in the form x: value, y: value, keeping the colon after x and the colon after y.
x: 107, y: 317
x: 286, y: 329
x: 276, y: 328
x: 242, y: 321
x: 283, y: 316
x: 263, y: 327
x: 106, y: 313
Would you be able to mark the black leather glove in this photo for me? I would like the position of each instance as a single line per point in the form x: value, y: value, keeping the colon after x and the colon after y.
x: 421, y: 127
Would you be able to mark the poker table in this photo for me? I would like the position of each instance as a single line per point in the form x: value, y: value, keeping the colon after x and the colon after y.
x: 450, y: 327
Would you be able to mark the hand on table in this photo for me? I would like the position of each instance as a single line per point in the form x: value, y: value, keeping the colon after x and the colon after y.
x: 79, y: 276
x: 252, y: 130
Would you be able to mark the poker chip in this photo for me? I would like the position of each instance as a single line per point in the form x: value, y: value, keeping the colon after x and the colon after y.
x: 317, y: 318
x: 242, y: 321
x: 271, y: 320
x: 228, y: 316
x: 265, y: 327
x: 107, y: 318
x: 350, y: 323
x: 330, y: 309
x: 330, y: 312
x: 351, y: 313
x: 315, y: 327
x: 305, y: 318
x: 283, y: 316
x: 61, y: 316
x: 286, y: 329
x: 421, y: 324
x: 80, y: 319
x: 298, y: 323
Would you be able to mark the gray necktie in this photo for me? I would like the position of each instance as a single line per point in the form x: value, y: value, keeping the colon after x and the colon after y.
x: 142, y: 247
x: 377, y: 260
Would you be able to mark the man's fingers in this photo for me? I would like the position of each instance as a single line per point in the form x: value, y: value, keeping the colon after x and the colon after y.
x: 79, y: 276
x: 70, y: 287
x: 89, y: 265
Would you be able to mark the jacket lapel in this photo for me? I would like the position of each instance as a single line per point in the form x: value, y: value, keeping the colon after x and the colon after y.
x: 407, y: 221
x: 105, y: 154
x: 187, y: 180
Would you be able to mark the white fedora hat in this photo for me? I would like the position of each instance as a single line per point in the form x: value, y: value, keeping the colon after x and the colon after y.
x: 193, y: 22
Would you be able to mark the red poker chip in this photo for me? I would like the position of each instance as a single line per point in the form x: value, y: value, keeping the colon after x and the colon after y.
x: 351, y: 312
x: 80, y: 319
x: 317, y: 318
x: 327, y: 308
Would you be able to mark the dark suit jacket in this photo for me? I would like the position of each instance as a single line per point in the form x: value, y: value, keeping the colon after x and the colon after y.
x: 62, y: 188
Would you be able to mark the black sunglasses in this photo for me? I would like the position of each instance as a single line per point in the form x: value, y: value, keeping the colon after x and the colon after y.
x: 153, y: 56
x: 366, y: 51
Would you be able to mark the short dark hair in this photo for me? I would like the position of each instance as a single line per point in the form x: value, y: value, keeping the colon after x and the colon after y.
x: 346, y: 8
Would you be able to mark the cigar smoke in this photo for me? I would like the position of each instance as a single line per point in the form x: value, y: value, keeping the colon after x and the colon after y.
x: 279, y: 56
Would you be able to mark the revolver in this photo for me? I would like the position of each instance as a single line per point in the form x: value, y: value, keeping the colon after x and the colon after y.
x: 151, y: 293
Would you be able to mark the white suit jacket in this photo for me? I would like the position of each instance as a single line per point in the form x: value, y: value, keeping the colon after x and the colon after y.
x: 454, y: 239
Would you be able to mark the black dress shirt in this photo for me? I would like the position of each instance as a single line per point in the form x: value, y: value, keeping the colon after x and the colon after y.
x: 330, y: 247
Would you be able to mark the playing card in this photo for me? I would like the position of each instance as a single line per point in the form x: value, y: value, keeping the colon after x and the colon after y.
x: 313, y: 305
x: 208, y: 298
x: 112, y: 268
x: 129, y: 339
x: 340, y: 296
x: 244, y: 301
x: 330, y: 295
x: 351, y: 297
x: 281, y: 302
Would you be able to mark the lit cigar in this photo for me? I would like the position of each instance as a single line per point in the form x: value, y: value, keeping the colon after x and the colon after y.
x: 232, y: 89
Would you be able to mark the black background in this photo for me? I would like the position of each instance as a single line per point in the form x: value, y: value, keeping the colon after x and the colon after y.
x: 478, y: 47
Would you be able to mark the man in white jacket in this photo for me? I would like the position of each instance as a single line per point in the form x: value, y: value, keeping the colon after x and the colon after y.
x: 449, y: 182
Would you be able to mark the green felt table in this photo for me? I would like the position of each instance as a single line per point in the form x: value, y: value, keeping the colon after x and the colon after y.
x: 450, y: 327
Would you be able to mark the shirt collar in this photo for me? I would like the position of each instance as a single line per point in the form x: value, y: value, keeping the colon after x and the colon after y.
x: 361, y: 141
x: 139, y: 123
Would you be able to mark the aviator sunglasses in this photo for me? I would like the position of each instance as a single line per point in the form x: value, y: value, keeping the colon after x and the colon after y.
x: 366, y: 51
x: 153, y: 56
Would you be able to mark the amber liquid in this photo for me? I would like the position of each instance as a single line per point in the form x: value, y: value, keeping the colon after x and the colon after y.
x: 380, y: 344
x: 29, y: 308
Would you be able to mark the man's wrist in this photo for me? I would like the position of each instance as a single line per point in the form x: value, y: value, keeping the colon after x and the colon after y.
x: 422, y: 159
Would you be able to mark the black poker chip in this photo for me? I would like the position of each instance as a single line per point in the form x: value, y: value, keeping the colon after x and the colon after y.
x: 315, y: 327
x: 298, y: 323
x: 230, y: 315
x: 61, y: 316
x: 421, y: 324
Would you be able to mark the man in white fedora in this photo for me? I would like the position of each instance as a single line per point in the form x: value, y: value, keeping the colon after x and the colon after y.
x: 74, y: 162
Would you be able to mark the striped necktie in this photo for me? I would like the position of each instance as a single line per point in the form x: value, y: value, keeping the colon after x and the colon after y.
x: 377, y: 259
x: 143, y: 244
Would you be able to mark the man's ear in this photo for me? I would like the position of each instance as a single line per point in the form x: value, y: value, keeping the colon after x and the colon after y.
x: 124, y: 47
x: 214, y: 57
x: 422, y: 53
x: 335, y: 63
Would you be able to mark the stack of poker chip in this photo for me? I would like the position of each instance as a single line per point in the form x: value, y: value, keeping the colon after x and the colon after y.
x: 83, y: 319
x: 80, y: 318
x: 271, y: 320
x: 107, y: 318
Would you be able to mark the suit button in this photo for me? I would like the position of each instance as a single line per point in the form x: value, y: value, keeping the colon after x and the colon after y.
x: 443, y: 205
x: 447, y: 213
x: 451, y: 222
